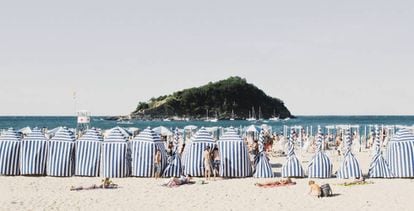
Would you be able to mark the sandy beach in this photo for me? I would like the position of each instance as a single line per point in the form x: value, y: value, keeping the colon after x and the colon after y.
x: 51, y: 193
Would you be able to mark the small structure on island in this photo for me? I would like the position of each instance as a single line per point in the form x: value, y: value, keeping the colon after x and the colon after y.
x: 350, y: 165
x: 33, y: 153
x: 263, y: 169
x: 400, y: 154
x: 116, y: 155
x: 61, y: 154
x: 292, y: 167
x: 88, y: 154
x: 143, y: 149
x: 379, y: 167
x: 234, y: 158
x: 9, y: 153
x: 320, y: 166
x: 193, y: 158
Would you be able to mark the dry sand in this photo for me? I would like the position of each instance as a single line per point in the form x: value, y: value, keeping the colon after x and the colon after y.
x: 49, y: 193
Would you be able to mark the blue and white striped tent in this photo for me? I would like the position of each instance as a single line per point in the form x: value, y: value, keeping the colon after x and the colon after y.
x: 379, y: 167
x: 400, y: 154
x: 33, y: 153
x: 174, y: 168
x: 350, y: 165
x: 9, y: 153
x: 262, y: 169
x: 320, y: 166
x: 234, y: 158
x: 61, y: 154
x: 116, y: 155
x: 143, y: 149
x: 88, y: 154
x: 194, y: 162
x: 292, y: 167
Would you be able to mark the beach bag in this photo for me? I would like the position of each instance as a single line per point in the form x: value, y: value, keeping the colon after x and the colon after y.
x: 326, y: 190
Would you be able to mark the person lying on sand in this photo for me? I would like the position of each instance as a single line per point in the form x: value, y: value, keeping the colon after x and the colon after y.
x: 315, y: 189
x: 106, y: 184
x: 175, y: 182
x: 281, y: 182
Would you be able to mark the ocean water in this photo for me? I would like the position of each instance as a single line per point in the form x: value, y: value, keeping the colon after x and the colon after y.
x: 50, y: 122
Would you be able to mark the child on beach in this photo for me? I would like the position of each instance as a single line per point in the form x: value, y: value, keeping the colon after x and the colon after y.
x: 157, y: 163
x: 216, y: 162
x: 207, y: 163
x: 315, y: 189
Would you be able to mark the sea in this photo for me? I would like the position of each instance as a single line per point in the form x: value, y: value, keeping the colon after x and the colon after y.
x: 310, y: 122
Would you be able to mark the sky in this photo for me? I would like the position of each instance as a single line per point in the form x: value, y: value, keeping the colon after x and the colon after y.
x: 320, y: 57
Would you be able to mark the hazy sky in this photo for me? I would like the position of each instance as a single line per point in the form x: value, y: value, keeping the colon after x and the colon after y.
x: 319, y: 57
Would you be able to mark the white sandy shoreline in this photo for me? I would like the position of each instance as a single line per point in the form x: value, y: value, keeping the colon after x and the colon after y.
x: 51, y: 193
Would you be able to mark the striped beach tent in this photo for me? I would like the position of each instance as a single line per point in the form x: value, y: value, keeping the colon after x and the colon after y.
x: 234, y: 158
x: 350, y: 165
x: 33, y: 153
x: 88, y: 154
x: 9, y: 153
x: 379, y: 167
x: 174, y: 168
x: 262, y: 169
x: 61, y: 154
x: 320, y: 166
x: 193, y: 159
x: 143, y: 149
x: 400, y: 154
x: 116, y: 155
x: 292, y: 167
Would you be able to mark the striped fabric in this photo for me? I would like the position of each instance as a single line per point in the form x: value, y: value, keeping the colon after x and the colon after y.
x: 292, y: 167
x: 379, y: 167
x: 9, y: 153
x: 320, y: 166
x: 116, y: 155
x: 350, y: 165
x: 33, y: 153
x: 61, y: 154
x: 173, y: 168
x: 234, y: 158
x: 194, y: 162
x: 143, y: 149
x: 88, y: 154
x: 263, y: 168
x: 400, y: 154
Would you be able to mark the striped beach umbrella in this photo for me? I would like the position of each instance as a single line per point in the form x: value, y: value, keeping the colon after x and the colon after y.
x: 88, y: 154
x: 350, y: 165
x: 143, y: 149
x: 234, y: 157
x: 379, y: 167
x: 262, y: 169
x: 320, y: 166
x: 61, y: 154
x: 9, y: 153
x: 193, y: 159
x: 174, y: 168
x: 116, y: 155
x: 33, y: 153
x: 400, y: 154
x: 292, y: 167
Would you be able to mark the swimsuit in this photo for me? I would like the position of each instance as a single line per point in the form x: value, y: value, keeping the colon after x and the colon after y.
x: 216, y: 164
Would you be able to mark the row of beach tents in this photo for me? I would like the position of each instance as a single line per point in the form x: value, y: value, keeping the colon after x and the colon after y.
x: 114, y: 156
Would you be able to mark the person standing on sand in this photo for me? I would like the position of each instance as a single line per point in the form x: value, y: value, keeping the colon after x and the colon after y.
x: 157, y: 163
x: 207, y: 163
x: 216, y: 162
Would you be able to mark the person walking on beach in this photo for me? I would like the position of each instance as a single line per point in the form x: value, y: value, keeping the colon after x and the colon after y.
x: 207, y: 163
x: 157, y: 163
x: 216, y: 162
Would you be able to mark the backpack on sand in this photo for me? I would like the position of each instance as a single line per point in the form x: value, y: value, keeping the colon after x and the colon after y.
x: 326, y: 190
